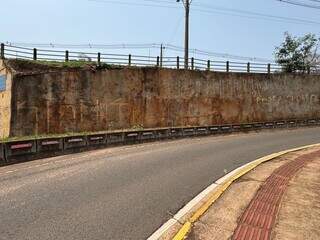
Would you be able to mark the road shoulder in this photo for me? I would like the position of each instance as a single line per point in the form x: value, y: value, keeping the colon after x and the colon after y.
x: 223, y: 219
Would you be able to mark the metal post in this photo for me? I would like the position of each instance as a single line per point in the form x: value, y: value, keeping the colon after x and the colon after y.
x: 269, y: 68
x: 158, y: 61
x: 178, y: 62
x: 192, y: 63
x: 248, y: 67
x: 67, y: 56
x: 35, y: 54
x: 228, y: 66
x: 99, y: 59
x: 208, y: 65
x: 130, y: 57
x: 161, y: 55
x: 2, y: 51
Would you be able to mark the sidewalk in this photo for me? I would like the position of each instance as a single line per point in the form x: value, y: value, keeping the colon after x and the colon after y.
x: 279, y: 200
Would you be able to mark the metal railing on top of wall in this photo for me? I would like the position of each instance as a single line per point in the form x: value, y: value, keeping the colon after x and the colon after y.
x: 18, y: 151
x: 17, y: 52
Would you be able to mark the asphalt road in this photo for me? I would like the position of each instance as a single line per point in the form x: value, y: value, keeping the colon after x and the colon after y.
x: 124, y: 192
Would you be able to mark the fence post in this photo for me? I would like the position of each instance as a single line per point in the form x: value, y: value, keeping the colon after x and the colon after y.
x: 99, y: 59
x: 130, y: 57
x: 35, y: 54
x: 178, y: 62
x: 208, y: 65
x: 67, y: 56
x: 158, y: 61
x: 192, y: 63
x: 228, y: 66
x: 269, y: 68
x: 2, y: 51
x: 248, y: 67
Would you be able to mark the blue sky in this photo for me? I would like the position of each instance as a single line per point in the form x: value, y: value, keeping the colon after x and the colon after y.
x: 83, y: 21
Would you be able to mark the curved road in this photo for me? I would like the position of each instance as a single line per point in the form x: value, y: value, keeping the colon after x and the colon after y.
x: 124, y: 192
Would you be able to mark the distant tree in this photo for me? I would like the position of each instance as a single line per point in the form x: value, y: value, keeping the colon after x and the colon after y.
x: 298, y: 54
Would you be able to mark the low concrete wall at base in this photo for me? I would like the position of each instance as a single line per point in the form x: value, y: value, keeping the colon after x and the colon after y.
x: 19, y: 151
x: 2, y: 156
x: 52, y: 100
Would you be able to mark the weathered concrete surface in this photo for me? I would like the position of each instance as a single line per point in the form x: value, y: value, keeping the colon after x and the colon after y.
x: 5, y: 101
x: 59, y: 100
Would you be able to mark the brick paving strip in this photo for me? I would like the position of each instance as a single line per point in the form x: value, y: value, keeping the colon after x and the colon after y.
x: 259, y: 218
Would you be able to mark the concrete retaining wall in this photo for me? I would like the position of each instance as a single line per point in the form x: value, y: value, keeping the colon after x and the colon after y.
x: 60, y: 100
x: 5, y: 100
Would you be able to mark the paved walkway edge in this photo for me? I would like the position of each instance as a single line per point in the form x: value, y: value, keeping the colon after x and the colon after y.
x: 214, y: 192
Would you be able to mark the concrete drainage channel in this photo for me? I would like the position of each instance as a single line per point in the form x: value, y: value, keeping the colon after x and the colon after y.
x: 26, y: 150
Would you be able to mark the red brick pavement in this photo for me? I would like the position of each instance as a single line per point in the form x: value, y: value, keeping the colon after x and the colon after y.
x: 258, y: 219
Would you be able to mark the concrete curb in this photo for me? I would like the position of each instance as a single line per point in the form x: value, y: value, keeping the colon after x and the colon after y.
x: 212, y: 193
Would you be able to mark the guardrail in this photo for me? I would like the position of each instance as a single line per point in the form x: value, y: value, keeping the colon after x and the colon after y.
x: 176, y: 62
x: 19, y: 151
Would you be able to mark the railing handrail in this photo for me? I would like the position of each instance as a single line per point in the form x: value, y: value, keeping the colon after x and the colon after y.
x: 13, y: 51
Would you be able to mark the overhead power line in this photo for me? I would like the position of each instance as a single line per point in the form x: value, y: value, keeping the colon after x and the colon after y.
x: 302, y: 4
x: 211, y: 9
x: 152, y: 4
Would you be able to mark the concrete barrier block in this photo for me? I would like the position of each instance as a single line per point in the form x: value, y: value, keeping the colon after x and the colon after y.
x: 292, y: 123
x: 132, y: 137
x: 97, y: 139
x: 247, y: 127
x: 302, y: 123
x: 162, y: 133
x: 280, y: 124
x: 226, y: 128
x: 75, y: 142
x: 312, y: 122
x: 317, y: 121
x: 2, y: 157
x: 258, y: 126
x: 148, y: 135
x: 268, y: 125
x: 236, y: 128
x: 214, y: 129
x: 20, y: 148
x: 50, y: 145
x: 115, y: 138
x: 200, y: 131
x: 176, y: 132
x: 189, y: 132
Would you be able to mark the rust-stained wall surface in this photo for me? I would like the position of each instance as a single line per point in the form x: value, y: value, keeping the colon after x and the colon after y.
x: 83, y: 100
x: 5, y: 100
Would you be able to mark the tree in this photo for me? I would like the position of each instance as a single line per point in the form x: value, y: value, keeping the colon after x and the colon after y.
x: 298, y: 54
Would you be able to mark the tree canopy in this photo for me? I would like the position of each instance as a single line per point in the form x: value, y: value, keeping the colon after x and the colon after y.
x: 298, y: 54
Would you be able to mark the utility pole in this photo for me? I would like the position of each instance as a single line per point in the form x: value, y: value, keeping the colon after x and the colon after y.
x: 161, y: 54
x: 186, y: 4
